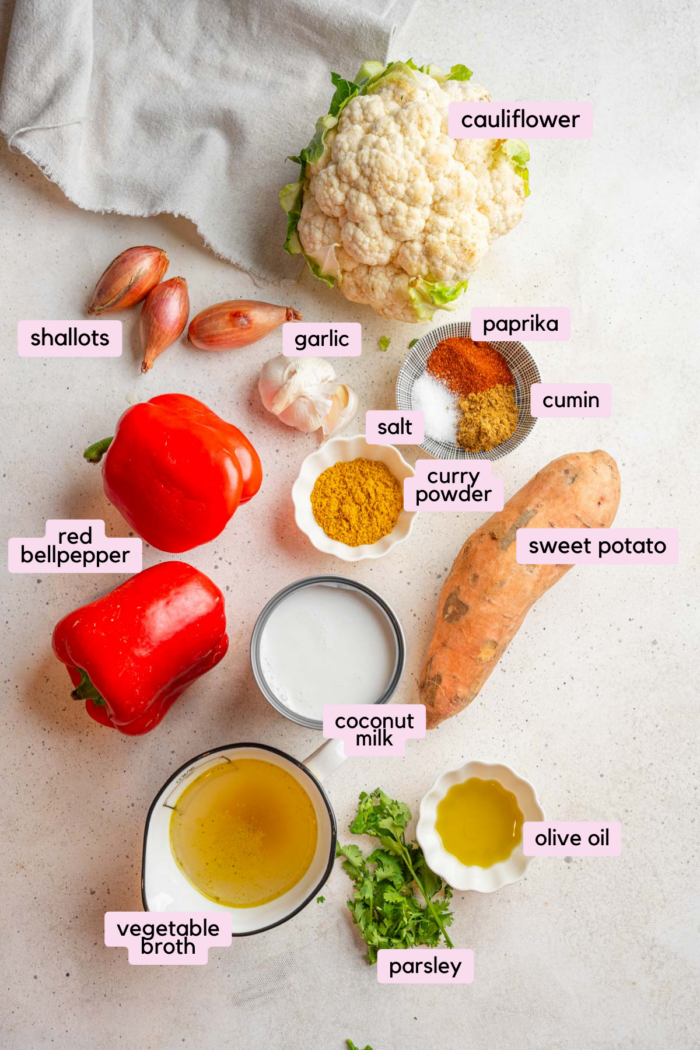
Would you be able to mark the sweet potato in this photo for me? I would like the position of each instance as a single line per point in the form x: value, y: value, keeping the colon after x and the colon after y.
x: 487, y: 594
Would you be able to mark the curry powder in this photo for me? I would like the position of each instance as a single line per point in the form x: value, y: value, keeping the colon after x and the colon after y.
x: 357, y: 502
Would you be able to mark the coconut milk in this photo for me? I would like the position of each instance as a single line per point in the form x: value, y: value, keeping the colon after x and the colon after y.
x: 327, y: 645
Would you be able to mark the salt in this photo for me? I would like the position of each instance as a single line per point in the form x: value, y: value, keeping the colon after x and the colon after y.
x: 439, y: 407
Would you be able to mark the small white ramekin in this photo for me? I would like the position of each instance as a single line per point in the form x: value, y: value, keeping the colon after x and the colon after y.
x: 458, y: 875
x: 344, y: 450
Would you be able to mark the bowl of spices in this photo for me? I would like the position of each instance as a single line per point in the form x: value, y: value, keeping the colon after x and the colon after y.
x: 474, y: 396
x: 348, y: 498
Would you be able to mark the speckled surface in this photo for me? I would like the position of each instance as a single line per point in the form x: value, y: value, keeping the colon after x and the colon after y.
x: 594, y: 702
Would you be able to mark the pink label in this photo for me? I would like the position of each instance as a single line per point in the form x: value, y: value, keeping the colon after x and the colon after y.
x: 515, y: 120
x: 599, y: 546
x: 425, y: 966
x: 449, y: 484
x: 535, y: 324
x: 320, y: 339
x: 173, y: 938
x: 571, y: 399
x: 74, y: 545
x: 368, y: 729
x: 394, y: 428
x: 572, y: 838
x: 69, y: 338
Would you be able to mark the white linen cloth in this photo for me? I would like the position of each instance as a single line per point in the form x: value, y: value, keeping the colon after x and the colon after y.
x: 184, y: 106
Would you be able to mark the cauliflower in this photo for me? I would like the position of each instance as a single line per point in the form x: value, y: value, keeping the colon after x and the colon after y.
x: 387, y: 206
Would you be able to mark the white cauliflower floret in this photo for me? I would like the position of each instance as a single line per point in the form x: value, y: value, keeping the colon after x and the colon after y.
x: 393, y: 200
x: 465, y: 91
x: 329, y: 191
x: 385, y: 288
x: 362, y: 112
x: 476, y: 154
x: 367, y: 242
x: 316, y: 229
x: 501, y: 196
x: 450, y: 249
x: 404, y: 222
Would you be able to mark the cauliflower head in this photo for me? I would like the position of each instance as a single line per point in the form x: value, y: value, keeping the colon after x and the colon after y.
x: 387, y: 206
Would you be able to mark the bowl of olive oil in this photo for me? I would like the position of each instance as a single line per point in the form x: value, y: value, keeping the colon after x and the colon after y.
x: 470, y: 826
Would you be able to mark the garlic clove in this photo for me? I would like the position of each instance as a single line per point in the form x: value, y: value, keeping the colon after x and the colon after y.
x: 344, y: 406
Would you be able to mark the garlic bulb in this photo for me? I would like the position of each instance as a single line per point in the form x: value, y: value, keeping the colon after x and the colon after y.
x: 304, y: 393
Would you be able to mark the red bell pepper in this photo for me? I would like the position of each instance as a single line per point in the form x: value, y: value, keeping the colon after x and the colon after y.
x: 177, y: 471
x: 132, y: 652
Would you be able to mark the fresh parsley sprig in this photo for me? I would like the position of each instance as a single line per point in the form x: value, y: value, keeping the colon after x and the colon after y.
x: 384, y: 906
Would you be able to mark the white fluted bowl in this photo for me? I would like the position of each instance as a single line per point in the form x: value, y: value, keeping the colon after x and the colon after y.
x: 344, y: 450
x: 471, y: 877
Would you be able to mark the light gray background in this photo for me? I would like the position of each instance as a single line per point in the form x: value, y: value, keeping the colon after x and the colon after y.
x: 594, y: 701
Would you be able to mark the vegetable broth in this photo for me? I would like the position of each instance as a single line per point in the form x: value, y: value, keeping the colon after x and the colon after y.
x: 244, y: 833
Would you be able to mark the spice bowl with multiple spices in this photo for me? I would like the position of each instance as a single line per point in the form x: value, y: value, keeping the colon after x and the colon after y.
x: 475, y: 396
x: 348, y: 498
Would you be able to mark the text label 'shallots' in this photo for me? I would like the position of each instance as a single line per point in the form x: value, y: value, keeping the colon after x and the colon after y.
x: 69, y: 338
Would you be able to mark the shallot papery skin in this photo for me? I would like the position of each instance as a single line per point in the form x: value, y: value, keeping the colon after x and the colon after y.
x: 236, y: 323
x: 163, y: 318
x: 128, y: 279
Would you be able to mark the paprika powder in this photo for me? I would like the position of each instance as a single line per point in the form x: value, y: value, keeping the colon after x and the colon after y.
x: 467, y: 367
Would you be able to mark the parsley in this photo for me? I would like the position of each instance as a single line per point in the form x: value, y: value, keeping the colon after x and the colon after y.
x: 384, y: 341
x: 384, y: 906
x: 413, y: 343
x: 351, y: 1045
x: 320, y: 900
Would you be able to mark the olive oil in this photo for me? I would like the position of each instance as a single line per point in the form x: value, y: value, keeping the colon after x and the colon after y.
x: 244, y: 832
x: 479, y: 822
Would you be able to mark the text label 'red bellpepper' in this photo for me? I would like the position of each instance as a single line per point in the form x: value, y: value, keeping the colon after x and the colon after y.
x: 131, y: 653
x: 177, y: 471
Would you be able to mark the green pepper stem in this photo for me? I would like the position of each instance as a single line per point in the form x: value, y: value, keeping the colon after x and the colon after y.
x: 86, y: 690
x: 95, y: 453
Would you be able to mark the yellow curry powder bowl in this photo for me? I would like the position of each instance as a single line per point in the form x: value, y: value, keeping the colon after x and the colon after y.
x: 345, y: 450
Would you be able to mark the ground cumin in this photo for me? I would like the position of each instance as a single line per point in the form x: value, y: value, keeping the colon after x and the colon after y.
x: 488, y: 418
x: 357, y: 502
x: 466, y: 367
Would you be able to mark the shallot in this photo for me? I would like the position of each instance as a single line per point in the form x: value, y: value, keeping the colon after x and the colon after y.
x: 128, y: 279
x: 236, y: 323
x: 163, y: 318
